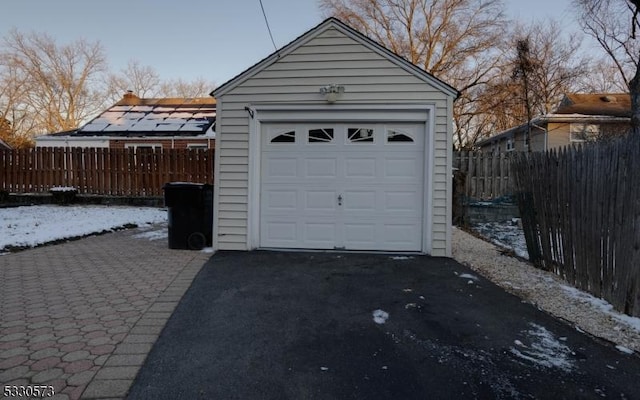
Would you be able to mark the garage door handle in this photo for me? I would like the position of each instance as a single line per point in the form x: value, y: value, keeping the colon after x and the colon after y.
x: 339, y: 199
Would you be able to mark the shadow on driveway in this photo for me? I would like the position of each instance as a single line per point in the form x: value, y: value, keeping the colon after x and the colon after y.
x: 278, y: 325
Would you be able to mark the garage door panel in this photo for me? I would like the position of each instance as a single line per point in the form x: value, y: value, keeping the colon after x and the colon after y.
x: 321, y: 168
x: 359, y: 201
x: 280, y: 231
x: 280, y: 200
x: 320, y: 200
x: 361, y: 236
x: 401, y: 233
x: 404, y: 168
x: 402, y: 201
x: 280, y: 167
x: 319, y: 234
x: 360, y: 168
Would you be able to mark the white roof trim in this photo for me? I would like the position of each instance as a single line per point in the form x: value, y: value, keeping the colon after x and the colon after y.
x: 333, y: 23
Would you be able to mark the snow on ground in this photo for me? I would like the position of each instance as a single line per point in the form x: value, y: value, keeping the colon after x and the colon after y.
x: 543, y: 348
x: 155, y: 234
x: 547, y: 291
x: 380, y: 316
x: 601, y: 305
x: 30, y: 226
x: 507, y: 234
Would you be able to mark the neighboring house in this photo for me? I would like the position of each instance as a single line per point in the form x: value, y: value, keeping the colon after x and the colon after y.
x: 579, y: 118
x: 161, y: 123
x: 4, y: 145
x: 334, y: 142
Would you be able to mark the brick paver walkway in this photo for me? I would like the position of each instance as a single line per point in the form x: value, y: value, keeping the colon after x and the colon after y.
x: 82, y: 316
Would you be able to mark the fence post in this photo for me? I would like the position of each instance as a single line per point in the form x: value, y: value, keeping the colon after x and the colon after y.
x: 459, y: 208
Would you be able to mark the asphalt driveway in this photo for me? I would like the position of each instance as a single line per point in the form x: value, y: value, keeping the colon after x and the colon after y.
x: 277, y: 325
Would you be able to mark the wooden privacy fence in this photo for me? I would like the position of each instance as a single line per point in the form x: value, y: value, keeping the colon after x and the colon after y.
x: 580, y: 211
x: 488, y: 176
x: 103, y: 171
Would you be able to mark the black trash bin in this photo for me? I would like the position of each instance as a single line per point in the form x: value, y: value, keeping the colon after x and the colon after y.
x: 190, y: 209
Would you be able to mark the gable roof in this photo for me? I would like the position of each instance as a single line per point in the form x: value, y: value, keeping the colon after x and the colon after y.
x: 612, y: 104
x: 335, y: 23
x: 134, y: 116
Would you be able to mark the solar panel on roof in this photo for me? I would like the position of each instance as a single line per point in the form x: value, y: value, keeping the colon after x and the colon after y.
x: 134, y: 115
x: 181, y: 115
x: 168, y: 127
x: 193, y: 126
x: 157, y: 116
x: 210, y: 114
x: 112, y: 115
x: 94, y: 127
x: 142, y: 108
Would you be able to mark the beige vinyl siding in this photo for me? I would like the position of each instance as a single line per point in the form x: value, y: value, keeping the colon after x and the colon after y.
x: 538, y: 140
x: 330, y: 57
x: 558, y: 135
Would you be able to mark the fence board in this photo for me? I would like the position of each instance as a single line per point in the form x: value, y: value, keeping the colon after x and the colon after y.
x: 583, y: 222
x: 488, y: 176
x: 119, y: 172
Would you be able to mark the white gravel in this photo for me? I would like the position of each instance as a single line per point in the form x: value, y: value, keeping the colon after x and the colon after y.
x: 547, y: 292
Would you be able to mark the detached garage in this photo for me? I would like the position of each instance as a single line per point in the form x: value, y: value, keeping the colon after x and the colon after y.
x: 334, y: 142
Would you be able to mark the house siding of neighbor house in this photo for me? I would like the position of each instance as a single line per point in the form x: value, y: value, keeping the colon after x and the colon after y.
x: 329, y: 53
x: 579, y: 117
x: 180, y: 143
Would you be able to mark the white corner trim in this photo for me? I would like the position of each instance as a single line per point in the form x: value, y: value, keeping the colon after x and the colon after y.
x: 216, y: 188
x: 253, y: 190
x: 429, y: 162
x: 449, y: 233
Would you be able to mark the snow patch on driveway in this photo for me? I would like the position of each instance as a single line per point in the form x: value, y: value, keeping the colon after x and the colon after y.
x: 401, y: 258
x: 380, y: 317
x: 153, y: 234
x: 544, y: 349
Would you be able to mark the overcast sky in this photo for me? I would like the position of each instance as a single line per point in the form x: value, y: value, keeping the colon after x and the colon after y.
x: 213, y: 39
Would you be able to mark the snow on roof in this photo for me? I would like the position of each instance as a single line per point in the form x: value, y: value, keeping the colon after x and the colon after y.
x: 133, y: 115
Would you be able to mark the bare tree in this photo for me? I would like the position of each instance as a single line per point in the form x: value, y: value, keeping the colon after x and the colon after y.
x: 17, y: 123
x: 455, y: 40
x: 198, y: 87
x: 524, y: 71
x: 51, y: 87
x: 559, y: 67
x: 614, y: 24
x: 541, y: 65
x: 143, y: 80
x: 603, y: 77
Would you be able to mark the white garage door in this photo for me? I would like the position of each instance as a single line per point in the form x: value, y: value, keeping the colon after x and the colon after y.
x: 342, y: 186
